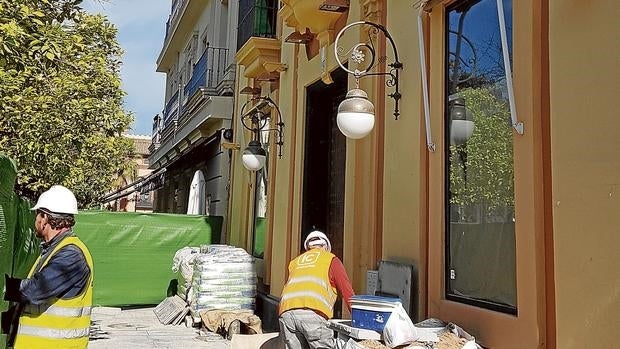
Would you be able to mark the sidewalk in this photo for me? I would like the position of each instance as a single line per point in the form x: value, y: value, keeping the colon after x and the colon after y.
x: 140, y: 329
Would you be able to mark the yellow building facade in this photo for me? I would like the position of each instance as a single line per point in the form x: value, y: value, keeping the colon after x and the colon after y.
x: 389, y: 197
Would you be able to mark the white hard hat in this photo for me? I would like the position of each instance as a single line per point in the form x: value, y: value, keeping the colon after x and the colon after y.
x: 318, y: 239
x: 57, y: 199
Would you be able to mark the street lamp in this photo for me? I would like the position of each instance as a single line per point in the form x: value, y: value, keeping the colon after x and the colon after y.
x: 254, y: 156
x: 257, y: 120
x: 356, y: 114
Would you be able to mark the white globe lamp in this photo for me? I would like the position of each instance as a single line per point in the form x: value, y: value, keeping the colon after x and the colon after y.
x: 462, y: 125
x: 254, y: 156
x: 356, y: 115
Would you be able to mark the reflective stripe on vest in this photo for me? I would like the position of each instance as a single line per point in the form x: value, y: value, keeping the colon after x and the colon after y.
x: 314, y: 279
x: 60, y: 323
x: 310, y: 294
x: 308, y: 285
x: 56, y: 310
x: 53, y: 332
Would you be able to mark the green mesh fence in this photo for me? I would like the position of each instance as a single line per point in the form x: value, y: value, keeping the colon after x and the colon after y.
x: 133, y: 252
x: 8, y: 223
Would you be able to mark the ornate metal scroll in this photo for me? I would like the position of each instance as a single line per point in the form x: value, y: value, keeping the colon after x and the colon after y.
x: 365, y: 51
x: 258, y: 117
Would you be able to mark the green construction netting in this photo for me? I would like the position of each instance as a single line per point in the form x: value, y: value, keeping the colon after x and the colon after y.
x: 260, y: 228
x: 133, y: 252
x: 8, y: 224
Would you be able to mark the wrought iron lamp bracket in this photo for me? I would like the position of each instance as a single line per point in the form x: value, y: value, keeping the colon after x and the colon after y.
x: 255, y: 119
x: 356, y: 54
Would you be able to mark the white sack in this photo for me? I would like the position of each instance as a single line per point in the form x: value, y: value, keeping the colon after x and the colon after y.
x: 399, y: 329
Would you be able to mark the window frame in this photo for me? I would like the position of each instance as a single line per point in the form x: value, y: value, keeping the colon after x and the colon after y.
x: 494, y: 306
x: 528, y: 328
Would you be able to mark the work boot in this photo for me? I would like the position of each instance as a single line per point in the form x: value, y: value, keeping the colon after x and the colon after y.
x: 233, y: 329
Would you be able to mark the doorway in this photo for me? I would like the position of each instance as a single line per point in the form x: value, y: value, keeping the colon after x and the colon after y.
x: 324, y: 162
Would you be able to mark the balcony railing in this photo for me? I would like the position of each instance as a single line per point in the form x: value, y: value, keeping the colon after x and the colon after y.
x: 175, y: 14
x: 208, y: 72
x: 155, y: 134
x: 171, y: 111
x: 256, y: 18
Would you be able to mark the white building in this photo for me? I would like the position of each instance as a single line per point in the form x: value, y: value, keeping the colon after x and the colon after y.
x: 198, y: 60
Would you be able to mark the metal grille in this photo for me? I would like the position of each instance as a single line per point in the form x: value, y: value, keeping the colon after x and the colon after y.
x: 256, y: 18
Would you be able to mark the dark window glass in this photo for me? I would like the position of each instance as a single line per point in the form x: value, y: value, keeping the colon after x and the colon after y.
x: 480, y: 222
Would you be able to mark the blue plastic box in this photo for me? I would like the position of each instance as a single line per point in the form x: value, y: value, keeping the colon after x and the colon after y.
x: 372, y: 312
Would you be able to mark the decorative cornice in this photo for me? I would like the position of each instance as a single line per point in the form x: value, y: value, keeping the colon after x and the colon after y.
x: 256, y: 54
x: 371, y: 10
x: 302, y: 14
x: 275, y: 66
x: 288, y: 16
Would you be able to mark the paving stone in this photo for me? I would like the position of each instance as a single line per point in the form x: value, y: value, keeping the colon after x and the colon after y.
x: 140, y: 329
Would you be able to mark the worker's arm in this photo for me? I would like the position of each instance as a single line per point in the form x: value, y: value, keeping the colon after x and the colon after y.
x: 65, y: 276
x: 339, y: 279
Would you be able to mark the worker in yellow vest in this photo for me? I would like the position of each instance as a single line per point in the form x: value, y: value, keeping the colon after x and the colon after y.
x: 315, y: 279
x: 55, y: 300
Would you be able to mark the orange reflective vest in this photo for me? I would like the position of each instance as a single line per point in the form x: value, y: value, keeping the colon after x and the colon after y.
x: 60, y: 323
x: 308, y: 285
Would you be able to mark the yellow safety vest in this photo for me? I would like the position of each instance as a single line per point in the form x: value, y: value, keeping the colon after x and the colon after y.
x: 308, y: 285
x: 60, y: 323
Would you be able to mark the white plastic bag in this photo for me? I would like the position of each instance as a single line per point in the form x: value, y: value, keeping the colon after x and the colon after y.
x: 399, y: 329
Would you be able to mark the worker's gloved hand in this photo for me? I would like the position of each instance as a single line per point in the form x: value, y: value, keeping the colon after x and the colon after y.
x: 11, y: 286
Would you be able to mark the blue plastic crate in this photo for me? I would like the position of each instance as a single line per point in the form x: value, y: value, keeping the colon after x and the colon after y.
x: 372, y: 312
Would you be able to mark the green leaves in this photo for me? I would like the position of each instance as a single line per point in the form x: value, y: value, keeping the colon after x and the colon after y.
x: 482, y: 170
x: 61, y: 111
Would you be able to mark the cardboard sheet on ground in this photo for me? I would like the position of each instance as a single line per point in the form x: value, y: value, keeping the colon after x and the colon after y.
x: 133, y: 252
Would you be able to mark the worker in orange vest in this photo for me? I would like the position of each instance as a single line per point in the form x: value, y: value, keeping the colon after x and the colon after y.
x: 315, y: 279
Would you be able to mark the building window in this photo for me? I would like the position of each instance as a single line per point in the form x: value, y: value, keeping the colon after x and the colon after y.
x: 480, y: 218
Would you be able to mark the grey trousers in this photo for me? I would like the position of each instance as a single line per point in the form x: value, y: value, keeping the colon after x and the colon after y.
x: 303, y: 329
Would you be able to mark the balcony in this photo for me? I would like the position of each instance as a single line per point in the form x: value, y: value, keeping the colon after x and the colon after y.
x: 208, y: 72
x: 156, y: 133
x: 209, y: 78
x: 175, y: 14
x: 195, y: 106
x: 207, y: 114
x: 171, y: 111
x: 184, y: 15
x: 257, y: 18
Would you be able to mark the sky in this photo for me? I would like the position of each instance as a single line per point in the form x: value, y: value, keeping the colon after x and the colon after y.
x: 141, y: 29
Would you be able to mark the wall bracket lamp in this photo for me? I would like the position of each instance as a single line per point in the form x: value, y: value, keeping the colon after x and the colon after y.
x: 257, y: 119
x: 356, y: 113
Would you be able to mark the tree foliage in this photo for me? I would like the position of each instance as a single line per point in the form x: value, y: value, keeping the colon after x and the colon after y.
x: 61, y: 103
x: 482, y: 170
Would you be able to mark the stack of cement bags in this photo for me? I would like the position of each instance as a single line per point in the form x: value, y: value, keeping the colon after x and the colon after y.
x: 224, y: 278
x: 183, y: 264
